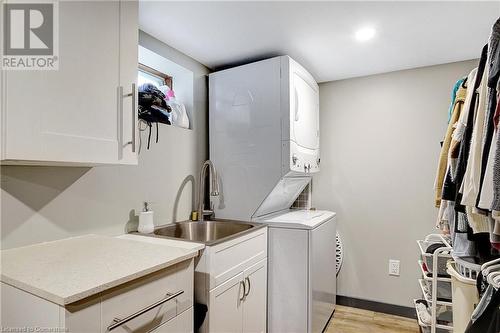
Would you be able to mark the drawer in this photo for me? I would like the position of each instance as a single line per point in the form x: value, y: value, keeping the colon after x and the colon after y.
x: 139, y: 294
x: 229, y: 258
x: 183, y: 323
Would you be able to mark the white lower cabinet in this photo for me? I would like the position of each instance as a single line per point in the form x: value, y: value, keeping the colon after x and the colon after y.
x: 239, y: 304
x: 226, y: 311
x: 255, y: 301
x: 231, y: 279
x: 159, y: 302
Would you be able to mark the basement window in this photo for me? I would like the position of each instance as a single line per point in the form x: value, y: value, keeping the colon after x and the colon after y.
x: 160, y: 71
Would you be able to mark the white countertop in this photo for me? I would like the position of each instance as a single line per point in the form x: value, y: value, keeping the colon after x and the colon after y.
x: 68, y: 270
x: 164, y: 241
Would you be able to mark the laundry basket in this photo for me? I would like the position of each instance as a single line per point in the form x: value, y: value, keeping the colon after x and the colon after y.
x: 428, y: 258
x: 465, y: 297
x: 467, y: 267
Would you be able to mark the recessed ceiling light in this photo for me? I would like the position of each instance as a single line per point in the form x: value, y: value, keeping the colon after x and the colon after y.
x: 364, y: 34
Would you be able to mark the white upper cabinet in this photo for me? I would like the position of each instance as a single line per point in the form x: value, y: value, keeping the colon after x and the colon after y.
x: 84, y: 113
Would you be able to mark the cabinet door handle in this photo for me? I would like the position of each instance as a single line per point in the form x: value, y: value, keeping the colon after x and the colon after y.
x: 249, y: 286
x: 244, y: 290
x: 132, y: 94
x: 120, y: 122
x: 118, y: 322
x: 133, y: 117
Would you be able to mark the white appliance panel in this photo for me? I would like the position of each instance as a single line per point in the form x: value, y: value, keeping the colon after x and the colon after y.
x: 300, y: 219
x: 288, y: 276
x: 323, y: 274
x: 283, y: 195
x: 304, y: 113
x: 301, y: 274
x: 245, y: 143
x: 264, y: 120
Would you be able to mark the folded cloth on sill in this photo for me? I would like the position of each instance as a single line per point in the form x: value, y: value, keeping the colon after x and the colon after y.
x: 152, y: 105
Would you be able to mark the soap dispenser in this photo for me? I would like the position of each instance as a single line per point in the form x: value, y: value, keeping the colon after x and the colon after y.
x: 146, y: 224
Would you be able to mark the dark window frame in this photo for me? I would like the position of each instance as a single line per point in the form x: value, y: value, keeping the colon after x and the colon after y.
x: 167, y: 79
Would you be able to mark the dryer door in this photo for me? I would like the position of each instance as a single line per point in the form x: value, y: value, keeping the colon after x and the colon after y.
x: 304, y: 108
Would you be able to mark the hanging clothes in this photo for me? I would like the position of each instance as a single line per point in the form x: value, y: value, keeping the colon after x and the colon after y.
x: 443, y: 157
x: 489, y: 142
x: 466, y: 138
x: 454, y: 92
x: 493, y: 82
x: 449, y: 190
x: 470, y: 185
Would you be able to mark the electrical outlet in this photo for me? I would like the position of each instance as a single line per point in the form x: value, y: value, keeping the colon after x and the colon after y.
x: 394, y: 267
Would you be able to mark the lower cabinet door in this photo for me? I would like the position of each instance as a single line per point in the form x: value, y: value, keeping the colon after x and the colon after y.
x: 225, y: 309
x: 183, y: 323
x: 255, y: 301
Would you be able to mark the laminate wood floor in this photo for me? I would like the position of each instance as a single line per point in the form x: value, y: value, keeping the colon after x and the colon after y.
x: 352, y: 320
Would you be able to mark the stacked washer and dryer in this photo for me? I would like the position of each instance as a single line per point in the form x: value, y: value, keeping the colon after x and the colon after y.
x: 264, y: 142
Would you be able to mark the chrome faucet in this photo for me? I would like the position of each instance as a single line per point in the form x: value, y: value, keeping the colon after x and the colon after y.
x: 214, y: 188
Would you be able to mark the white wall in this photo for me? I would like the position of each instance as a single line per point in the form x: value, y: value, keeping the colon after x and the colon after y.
x: 380, y: 140
x: 46, y: 203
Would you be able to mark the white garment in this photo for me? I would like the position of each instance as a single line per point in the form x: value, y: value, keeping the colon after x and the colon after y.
x: 486, y: 196
x: 459, y: 131
x: 423, y: 314
x: 473, y: 171
x: 472, y: 176
x: 442, y: 217
x: 179, y: 115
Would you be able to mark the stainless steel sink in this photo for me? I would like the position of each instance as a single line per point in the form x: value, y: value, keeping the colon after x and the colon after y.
x: 207, y: 232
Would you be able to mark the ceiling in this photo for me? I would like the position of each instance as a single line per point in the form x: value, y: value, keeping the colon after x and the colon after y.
x: 320, y: 35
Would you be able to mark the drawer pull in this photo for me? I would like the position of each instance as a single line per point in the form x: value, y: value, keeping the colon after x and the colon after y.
x: 118, y: 322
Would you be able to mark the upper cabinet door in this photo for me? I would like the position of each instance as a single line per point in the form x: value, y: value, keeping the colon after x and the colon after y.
x: 72, y: 115
x: 129, y: 41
